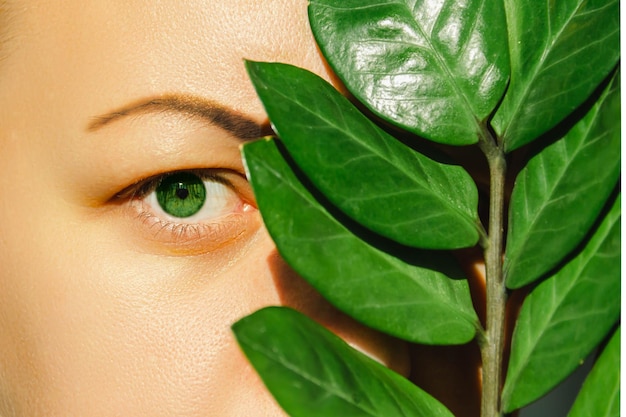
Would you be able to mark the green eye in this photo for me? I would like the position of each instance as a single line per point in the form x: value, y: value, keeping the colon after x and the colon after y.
x: 181, y: 194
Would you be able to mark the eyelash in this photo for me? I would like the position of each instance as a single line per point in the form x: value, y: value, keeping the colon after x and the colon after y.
x: 178, y: 231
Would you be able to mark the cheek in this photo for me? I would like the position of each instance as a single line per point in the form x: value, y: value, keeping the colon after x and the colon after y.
x: 94, y: 325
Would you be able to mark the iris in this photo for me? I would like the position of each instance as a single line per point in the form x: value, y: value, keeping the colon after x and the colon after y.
x: 181, y: 194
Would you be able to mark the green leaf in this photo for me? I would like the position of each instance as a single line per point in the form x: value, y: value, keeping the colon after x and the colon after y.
x: 599, y: 396
x: 437, y: 69
x: 372, y: 177
x: 560, y: 52
x: 565, y: 317
x: 561, y: 191
x: 415, y: 303
x: 312, y: 372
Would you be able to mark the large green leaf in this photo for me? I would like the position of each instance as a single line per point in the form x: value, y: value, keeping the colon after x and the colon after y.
x: 371, y: 176
x: 416, y: 302
x: 565, y: 317
x: 435, y: 68
x: 311, y: 372
x: 559, y: 194
x: 599, y: 396
x: 560, y: 52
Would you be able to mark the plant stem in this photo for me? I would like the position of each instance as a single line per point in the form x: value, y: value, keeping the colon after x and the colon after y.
x: 493, y: 345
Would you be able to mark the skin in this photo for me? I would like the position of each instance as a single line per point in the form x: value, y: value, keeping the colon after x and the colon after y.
x: 106, y: 309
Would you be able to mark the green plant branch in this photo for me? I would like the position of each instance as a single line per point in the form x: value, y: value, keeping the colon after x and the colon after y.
x: 492, y: 345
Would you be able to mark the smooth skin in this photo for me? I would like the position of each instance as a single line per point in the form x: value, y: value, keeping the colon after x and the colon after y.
x: 107, y: 306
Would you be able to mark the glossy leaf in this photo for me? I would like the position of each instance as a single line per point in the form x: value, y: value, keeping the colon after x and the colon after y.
x: 565, y: 317
x: 435, y: 68
x: 371, y: 176
x: 561, y: 191
x: 312, y: 372
x: 416, y: 302
x: 560, y: 52
x: 600, y: 394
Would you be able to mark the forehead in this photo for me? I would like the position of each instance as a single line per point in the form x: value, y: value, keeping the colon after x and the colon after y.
x: 99, y: 54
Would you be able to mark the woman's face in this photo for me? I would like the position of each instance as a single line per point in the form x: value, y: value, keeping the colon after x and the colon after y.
x: 110, y: 306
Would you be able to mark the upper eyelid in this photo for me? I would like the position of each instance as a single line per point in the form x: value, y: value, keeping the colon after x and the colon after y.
x: 142, y: 187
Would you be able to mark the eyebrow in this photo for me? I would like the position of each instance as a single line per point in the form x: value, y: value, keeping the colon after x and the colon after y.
x: 216, y: 114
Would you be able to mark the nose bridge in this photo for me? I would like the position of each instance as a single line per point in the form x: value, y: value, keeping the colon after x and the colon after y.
x: 293, y: 291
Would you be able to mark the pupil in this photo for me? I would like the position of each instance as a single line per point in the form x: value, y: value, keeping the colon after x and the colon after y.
x: 181, y: 195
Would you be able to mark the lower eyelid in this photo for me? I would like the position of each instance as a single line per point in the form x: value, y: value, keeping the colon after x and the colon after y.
x: 196, y: 238
x: 180, y: 231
